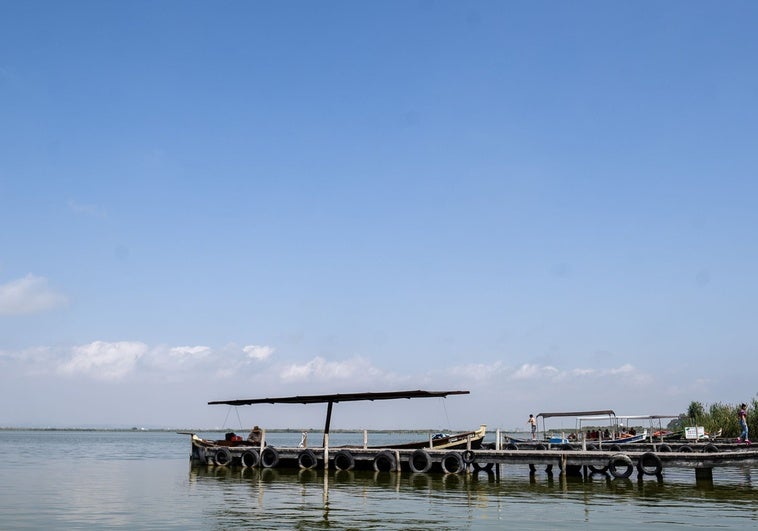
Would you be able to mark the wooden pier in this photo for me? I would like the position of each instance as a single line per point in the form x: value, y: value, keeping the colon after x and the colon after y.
x: 619, y: 462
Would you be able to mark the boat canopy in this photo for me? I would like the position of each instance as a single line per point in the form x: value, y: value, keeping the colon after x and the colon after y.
x: 648, y: 417
x: 340, y: 397
x: 605, y: 412
x: 343, y: 397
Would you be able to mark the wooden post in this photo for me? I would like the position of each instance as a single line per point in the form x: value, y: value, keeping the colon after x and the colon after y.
x: 263, y: 441
x: 497, y: 439
x: 326, y: 451
x: 365, y: 439
x: 704, y: 474
x: 397, y: 460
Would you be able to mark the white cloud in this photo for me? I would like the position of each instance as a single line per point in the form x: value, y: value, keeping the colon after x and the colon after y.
x: 258, y: 353
x: 190, y: 353
x: 171, y: 359
x: 34, y: 360
x: 28, y: 295
x: 355, y: 369
x: 104, y: 361
x: 544, y: 373
x: 529, y: 371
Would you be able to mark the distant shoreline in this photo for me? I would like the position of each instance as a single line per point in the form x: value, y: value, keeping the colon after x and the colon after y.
x: 223, y: 430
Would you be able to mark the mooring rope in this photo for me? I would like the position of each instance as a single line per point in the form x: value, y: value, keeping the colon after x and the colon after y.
x: 447, y: 418
x: 227, y: 416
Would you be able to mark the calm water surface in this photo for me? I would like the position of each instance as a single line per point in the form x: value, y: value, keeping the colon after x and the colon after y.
x: 142, y: 480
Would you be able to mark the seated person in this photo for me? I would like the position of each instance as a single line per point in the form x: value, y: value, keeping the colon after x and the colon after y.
x: 255, y: 435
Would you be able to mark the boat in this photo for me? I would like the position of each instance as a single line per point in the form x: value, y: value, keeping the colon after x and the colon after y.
x: 605, y: 427
x: 253, y: 450
x: 443, y: 441
x: 622, y: 427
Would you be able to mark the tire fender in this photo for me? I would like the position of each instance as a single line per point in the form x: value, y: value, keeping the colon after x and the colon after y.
x: 249, y: 458
x: 223, y: 457
x: 452, y: 463
x: 344, y: 460
x: 650, y: 464
x: 468, y: 456
x: 384, y: 461
x: 620, y: 466
x: 420, y: 461
x: 307, y: 459
x: 269, y: 457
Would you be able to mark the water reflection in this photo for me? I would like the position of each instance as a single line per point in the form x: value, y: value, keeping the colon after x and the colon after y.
x: 546, y: 483
x: 384, y: 500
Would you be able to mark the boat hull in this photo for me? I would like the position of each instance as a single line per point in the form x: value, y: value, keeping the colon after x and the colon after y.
x: 468, y: 439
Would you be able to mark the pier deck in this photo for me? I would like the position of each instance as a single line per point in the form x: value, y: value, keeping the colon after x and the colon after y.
x: 567, y: 459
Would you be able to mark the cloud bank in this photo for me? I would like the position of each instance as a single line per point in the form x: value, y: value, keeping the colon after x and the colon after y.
x: 28, y: 295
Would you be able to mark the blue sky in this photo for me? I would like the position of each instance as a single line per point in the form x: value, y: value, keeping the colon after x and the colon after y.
x: 552, y: 205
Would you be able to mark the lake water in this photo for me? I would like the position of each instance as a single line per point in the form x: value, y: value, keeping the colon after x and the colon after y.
x: 142, y: 480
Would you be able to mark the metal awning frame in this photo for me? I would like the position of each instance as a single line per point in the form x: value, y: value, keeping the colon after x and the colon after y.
x: 331, y: 399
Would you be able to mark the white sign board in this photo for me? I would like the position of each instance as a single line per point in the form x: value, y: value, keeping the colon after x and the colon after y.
x: 694, y: 433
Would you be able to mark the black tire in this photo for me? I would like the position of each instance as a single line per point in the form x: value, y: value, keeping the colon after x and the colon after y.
x: 540, y: 446
x: 269, y: 457
x: 710, y: 448
x: 249, y: 459
x: 307, y: 459
x: 614, y: 448
x: 685, y: 449
x: 664, y: 448
x: 344, y: 460
x: 385, y: 462
x: 420, y: 461
x: 620, y: 466
x: 566, y: 447
x: 591, y: 448
x: 487, y: 467
x: 468, y: 456
x: 453, y: 463
x: 511, y: 446
x: 598, y: 469
x: 650, y: 464
x: 223, y: 457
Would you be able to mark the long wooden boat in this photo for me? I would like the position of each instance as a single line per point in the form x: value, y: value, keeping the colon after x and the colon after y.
x: 468, y: 439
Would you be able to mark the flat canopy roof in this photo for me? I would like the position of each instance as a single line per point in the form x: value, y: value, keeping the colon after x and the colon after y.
x: 577, y: 413
x: 651, y: 417
x: 343, y: 397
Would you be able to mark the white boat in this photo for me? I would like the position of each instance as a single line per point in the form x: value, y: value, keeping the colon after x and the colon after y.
x: 603, y: 427
x: 621, y: 428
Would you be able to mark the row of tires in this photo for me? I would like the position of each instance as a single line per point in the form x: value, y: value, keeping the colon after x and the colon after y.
x: 384, y: 461
x: 709, y: 448
x: 621, y: 465
x: 268, y: 458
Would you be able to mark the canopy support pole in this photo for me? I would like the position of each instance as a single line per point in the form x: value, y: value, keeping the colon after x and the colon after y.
x: 328, y: 421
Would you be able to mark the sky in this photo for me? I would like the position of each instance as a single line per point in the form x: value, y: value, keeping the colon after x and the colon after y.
x: 552, y: 205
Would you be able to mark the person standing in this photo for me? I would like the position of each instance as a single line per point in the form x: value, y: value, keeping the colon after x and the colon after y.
x: 533, y: 426
x: 742, y: 414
